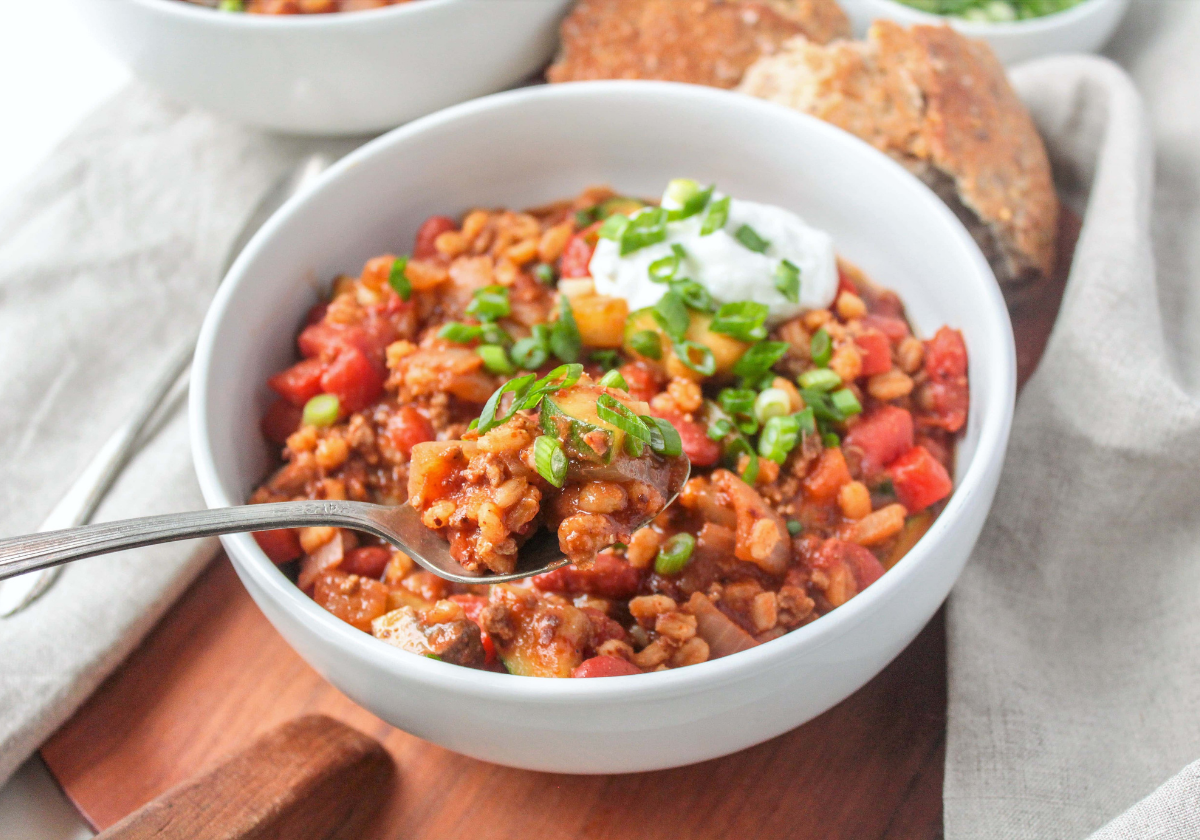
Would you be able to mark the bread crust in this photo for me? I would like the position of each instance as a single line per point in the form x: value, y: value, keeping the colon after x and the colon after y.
x: 706, y: 42
x: 941, y: 104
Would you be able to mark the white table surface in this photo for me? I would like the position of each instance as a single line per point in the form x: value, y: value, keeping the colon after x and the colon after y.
x: 54, y: 76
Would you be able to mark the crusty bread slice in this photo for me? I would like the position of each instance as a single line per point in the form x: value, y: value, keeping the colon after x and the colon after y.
x: 706, y: 42
x: 941, y: 104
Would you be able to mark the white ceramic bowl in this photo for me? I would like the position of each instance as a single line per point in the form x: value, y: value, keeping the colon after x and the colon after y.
x: 526, y: 148
x: 347, y: 73
x: 1083, y: 28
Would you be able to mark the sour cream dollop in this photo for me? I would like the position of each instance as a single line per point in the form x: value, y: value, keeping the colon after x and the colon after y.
x: 724, y: 265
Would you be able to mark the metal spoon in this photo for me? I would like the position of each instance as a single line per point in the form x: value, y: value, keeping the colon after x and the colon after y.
x: 79, y: 503
x: 399, y: 525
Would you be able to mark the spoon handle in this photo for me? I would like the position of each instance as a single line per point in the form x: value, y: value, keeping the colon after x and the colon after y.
x: 51, y: 548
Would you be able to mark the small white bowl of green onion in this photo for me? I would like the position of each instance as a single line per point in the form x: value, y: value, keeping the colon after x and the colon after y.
x: 1018, y: 30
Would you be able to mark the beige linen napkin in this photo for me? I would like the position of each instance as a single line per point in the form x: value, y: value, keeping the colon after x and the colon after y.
x: 1073, y: 633
x: 108, y: 258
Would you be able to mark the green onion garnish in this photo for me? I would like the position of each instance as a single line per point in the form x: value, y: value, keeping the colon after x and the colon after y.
x: 460, y: 333
x: 489, y: 303
x: 694, y: 295
x: 820, y: 379
x: 845, y: 402
x: 585, y: 217
x: 518, y: 387
x: 232, y: 6
x: 821, y: 348
x: 614, y: 227
x: 565, y: 340
x: 831, y: 440
x: 773, y: 402
x: 779, y: 437
x: 718, y: 429
x: 634, y: 448
x: 607, y: 359
x: 649, y: 227
x: 321, y: 410
x: 696, y: 357
x: 743, y: 320
x: 563, y: 376
x: 787, y: 281
x: 688, y: 195
x: 736, y: 447
x: 614, y: 379
x: 664, y: 439
x: 494, y: 334
x: 822, y: 408
x: 749, y: 237
x: 398, y: 280
x: 715, y: 216
x: 759, y: 358
x: 794, y: 527
x: 545, y: 273
x: 495, y: 359
x: 550, y: 460
x: 671, y: 314
x: 675, y: 554
x: 619, y: 415
x: 739, y: 404
x: 663, y: 268
x: 646, y: 343
x: 532, y: 352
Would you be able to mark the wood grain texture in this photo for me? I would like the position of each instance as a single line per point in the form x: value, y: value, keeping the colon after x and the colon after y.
x: 214, y: 675
x: 313, y: 778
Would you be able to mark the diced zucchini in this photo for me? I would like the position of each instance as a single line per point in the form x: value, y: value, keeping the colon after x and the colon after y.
x: 725, y: 349
x: 570, y: 416
x: 548, y: 639
x: 619, y: 204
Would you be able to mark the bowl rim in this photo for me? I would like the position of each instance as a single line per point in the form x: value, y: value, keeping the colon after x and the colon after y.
x: 250, y: 561
x: 975, y: 28
x: 209, y: 16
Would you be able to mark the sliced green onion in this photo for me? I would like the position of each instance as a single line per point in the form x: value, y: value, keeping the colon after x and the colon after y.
x: 634, y: 448
x: 585, y: 217
x: 675, y: 554
x: 532, y: 352
x: 663, y: 268
x: 779, y: 437
x: 607, y: 359
x: 489, y: 303
x: 808, y: 424
x: 671, y: 314
x: 398, y: 280
x: 820, y: 379
x: 845, y: 402
x: 565, y: 340
x: 749, y: 237
x: 694, y: 295
x: 664, y: 438
x: 690, y: 197
x: 495, y: 359
x: 518, y: 387
x: 759, y: 358
x: 614, y: 227
x: 821, y: 348
x: 545, y: 273
x: 822, y: 408
x: 743, y: 320
x: 740, y: 446
x: 563, y: 376
x: 695, y: 356
x: 718, y: 429
x: 773, y: 402
x: 739, y: 404
x: 831, y: 440
x: 787, y: 281
x: 646, y: 343
x: 550, y: 460
x: 321, y: 410
x: 715, y: 216
x: 794, y: 527
x: 648, y: 227
x: 460, y: 333
x: 232, y: 6
x: 494, y: 334
x: 614, y: 379
x: 619, y: 415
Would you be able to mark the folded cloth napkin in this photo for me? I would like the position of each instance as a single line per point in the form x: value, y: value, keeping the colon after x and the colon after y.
x: 108, y: 258
x: 1074, y: 680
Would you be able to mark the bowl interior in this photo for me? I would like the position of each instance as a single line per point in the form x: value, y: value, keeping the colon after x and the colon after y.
x: 533, y: 146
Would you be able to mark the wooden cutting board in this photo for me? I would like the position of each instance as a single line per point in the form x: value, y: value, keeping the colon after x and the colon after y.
x: 214, y: 674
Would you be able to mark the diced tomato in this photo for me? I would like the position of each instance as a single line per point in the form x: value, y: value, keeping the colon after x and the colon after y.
x: 919, y: 479
x: 368, y: 561
x: 896, y: 329
x: 876, y: 352
x: 643, y: 382
x: 697, y: 445
x: 845, y: 284
x: 862, y: 563
x: 946, y: 354
x: 473, y: 606
x: 281, y: 545
x: 324, y: 340
x: 880, y: 437
x: 408, y: 427
x: 427, y: 235
x: 281, y: 419
x: 605, y: 666
x: 299, y: 383
x: 828, y: 476
x: 353, y: 379
x: 609, y: 576
x: 576, y: 257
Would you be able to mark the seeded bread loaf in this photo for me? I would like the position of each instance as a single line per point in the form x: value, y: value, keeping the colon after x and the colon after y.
x: 706, y: 42
x: 941, y: 104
